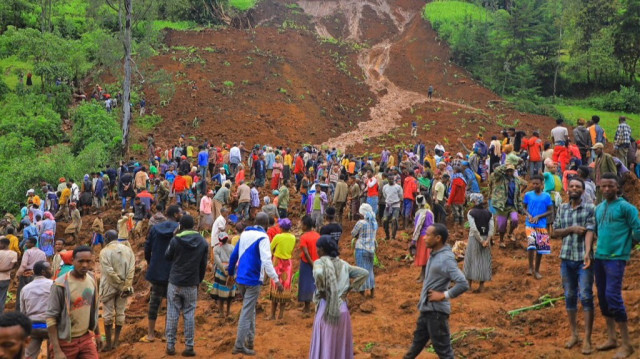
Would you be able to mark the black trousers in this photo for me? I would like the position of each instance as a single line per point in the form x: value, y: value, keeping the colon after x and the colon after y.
x: 432, y: 326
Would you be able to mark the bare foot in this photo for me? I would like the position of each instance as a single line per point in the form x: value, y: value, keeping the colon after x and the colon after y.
x: 572, y: 342
x: 587, y: 348
x: 106, y: 349
x: 610, y: 344
x: 537, y: 275
x: 624, y: 352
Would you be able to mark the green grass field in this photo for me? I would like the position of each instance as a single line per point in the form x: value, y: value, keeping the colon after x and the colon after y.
x: 243, y: 4
x: 445, y: 16
x: 608, y: 120
x: 11, y: 66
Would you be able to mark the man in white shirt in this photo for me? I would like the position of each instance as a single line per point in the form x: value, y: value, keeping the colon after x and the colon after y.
x: 219, y: 226
x: 235, y: 158
x: 35, y: 307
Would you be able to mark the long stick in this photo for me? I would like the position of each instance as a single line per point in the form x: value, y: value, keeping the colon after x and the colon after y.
x: 546, y: 301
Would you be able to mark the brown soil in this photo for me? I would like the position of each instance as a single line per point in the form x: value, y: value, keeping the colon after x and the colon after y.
x: 331, y: 89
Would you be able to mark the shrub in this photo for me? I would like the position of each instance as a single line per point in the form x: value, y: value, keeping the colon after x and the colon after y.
x: 30, y: 115
x: 627, y: 99
x: 93, y: 124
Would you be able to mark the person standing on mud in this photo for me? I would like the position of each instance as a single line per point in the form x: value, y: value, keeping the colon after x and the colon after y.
x: 430, y: 91
x: 158, y: 266
x: 617, y: 226
x: 251, y: 258
x: 575, y: 223
x: 118, y: 265
x: 435, y: 298
x: 538, y: 206
x: 189, y: 253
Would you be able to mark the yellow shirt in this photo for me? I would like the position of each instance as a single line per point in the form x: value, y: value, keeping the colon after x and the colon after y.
x: 391, y: 162
x: 36, y: 200
x: 64, y: 196
x: 14, y: 243
x: 288, y: 160
x: 189, y: 151
x: 234, y: 240
x: 282, y: 245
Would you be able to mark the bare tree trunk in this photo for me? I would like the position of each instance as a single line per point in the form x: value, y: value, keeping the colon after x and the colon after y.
x: 126, y: 106
x: 555, y: 74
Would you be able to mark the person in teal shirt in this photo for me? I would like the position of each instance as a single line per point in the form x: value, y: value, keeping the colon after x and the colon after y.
x: 617, y: 226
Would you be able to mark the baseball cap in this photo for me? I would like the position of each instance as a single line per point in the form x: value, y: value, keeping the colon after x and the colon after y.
x: 597, y: 145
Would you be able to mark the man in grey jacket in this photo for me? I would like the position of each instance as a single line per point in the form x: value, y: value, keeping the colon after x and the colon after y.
x: 434, y: 305
x: 392, y: 194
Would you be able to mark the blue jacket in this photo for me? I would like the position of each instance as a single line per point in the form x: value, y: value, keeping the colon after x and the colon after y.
x: 203, y: 158
x: 154, y: 251
x: 250, y: 256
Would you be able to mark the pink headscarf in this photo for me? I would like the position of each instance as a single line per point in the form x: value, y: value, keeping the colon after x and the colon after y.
x: 48, y: 215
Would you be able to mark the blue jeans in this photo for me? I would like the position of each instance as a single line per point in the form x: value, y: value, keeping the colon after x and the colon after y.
x: 609, y: 274
x: 373, y: 202
x: 577, y: 283
x: 124, y: 202
x: 534, y: 168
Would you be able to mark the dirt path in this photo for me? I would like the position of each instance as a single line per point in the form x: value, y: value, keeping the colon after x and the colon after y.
x: 392, y: 99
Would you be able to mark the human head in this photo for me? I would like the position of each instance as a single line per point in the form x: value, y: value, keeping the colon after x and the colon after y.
x: 224, y: 212
x: 82, y: 260
x: 598, y: 148
x: 59, y: 245
x: 174, y: 212
x: 284, y: 224
x: 327, y: 246
x: 307, y: 224
x: 622, y: 119
x: 262, y: 219
x: 15, y: 331
x: 511, y: 131
x: 31, y: 242
x: 595, y: 119
x: 584, y: 172
x: 576, y: 188
x: 4, y: 243
x: 331, y: 213
x: 186, y: 222
x: 580, y: 122
x: 223, y: 237
x: 42, y: 268
x: 559, y: 121
x: 537, y: 182
x: 437, y: 235
x: 477, y: 199
x: 609, y: 186
x: 110, y: 236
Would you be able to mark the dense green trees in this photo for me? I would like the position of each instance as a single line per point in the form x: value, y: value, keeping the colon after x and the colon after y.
x: 544, y: 47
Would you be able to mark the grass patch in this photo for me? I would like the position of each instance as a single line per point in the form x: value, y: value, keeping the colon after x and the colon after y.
x: 11, y: 67
x: 158, y: 25
x: 608, y: 120
x: 242, y: 4
x: 446, y: 16
x: 147, y: 122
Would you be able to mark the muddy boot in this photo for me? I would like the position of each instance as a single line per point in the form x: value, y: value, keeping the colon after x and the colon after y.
x: 394, y: 228
x: 385, y: 224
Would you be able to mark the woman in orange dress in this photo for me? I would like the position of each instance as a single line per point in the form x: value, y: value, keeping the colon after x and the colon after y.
x: 424, y: 218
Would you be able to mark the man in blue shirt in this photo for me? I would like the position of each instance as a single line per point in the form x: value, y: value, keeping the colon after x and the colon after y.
x: 538, y: 206
x: 203, y: 161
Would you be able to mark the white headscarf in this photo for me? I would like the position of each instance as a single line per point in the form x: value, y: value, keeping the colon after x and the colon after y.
x: 367, y: 212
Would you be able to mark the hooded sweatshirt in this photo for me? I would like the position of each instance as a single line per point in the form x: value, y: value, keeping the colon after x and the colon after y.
x: 154, y: 249
x: 188, y: 251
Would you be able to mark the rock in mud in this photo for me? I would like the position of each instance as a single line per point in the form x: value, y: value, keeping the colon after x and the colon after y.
x: 379, y: 353
x: 367, y: 308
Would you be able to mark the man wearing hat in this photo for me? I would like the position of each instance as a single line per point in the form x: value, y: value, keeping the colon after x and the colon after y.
x: 33, y: 198
x: 506, y: 189
x: 604, y: 164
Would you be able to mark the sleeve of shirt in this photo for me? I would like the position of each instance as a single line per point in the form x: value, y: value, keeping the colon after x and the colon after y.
x: 634, y: 222
x: 590, y: 222
x: 265, y: 257
x: 356, y: 229
x: 233, y: 259
x: 456, y: 275
x: 107, y: 268
x: 557, y: 223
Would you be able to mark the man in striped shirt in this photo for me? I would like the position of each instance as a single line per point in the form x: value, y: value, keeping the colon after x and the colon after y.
x: 623, y: 140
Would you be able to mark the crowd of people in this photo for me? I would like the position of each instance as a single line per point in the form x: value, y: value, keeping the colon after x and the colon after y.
x: 233, y: 211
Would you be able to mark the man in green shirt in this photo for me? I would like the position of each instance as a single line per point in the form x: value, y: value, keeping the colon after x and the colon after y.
x: 617, y: 225
x: 283, y: 199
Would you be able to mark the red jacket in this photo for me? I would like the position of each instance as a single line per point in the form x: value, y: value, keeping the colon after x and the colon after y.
x: 458, y: 191
x: 180, y: 184
x: 299, y: 166
x: 410, y: 188
x: 535, y: 148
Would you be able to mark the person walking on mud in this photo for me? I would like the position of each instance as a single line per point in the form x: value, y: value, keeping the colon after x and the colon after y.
x: 251, y: 258
x: 617, y: 226
x: 575, y: 223
x: 158, y: 267
x: 435, y: 298
x: 188, y: 252
x: 430, y: 92
x: 538, y: 206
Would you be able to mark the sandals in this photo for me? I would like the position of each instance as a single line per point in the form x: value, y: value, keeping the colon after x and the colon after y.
x: 146, y: 339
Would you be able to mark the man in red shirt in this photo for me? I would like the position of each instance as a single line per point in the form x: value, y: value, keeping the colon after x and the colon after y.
x: 180, y: 188
x: 372, y: 191
x: 457, y: 196
x: 535, y: 147
x: 410, y: 188
x: 298, y: 170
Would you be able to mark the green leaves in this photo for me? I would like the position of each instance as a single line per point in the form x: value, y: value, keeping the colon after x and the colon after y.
x: 93, y: 124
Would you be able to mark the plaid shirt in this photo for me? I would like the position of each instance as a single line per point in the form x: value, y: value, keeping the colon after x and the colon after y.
x: 366, y: 235
x: 583, y: 216
x: 623, y: 134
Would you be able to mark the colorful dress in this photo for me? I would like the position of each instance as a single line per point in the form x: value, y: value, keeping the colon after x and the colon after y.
x: 477, y: 259
x: 424, y: 218
x: 220, y: 290
x: 282, y: 249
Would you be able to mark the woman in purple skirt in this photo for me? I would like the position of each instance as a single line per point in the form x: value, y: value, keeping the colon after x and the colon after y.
x: 332, y: 337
